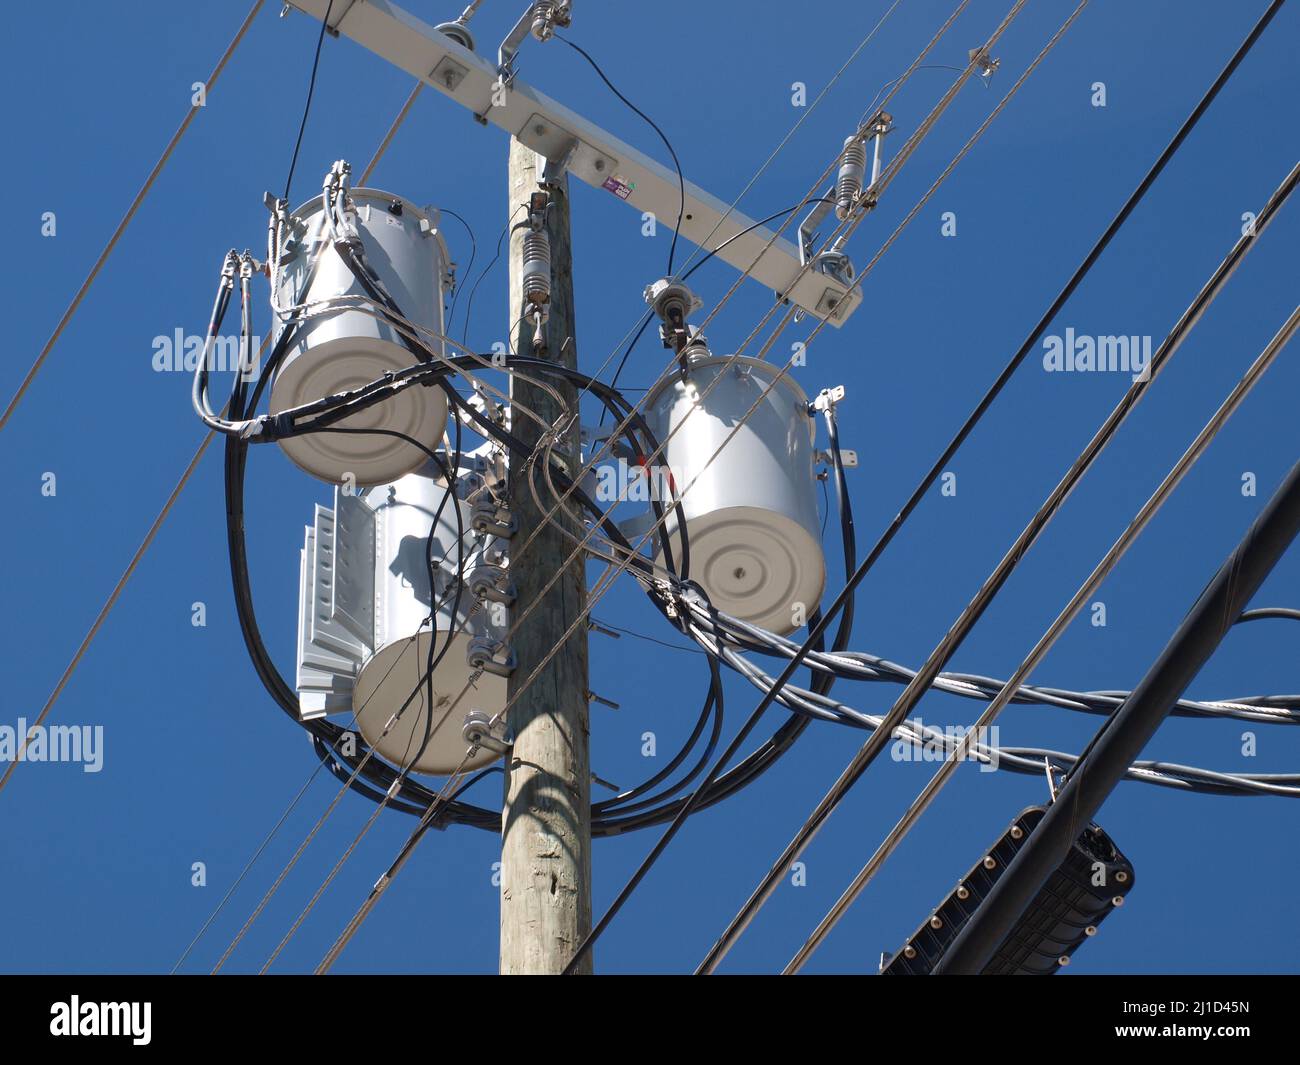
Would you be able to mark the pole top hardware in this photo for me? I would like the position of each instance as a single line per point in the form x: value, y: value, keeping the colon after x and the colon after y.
x: 673, y: 302
x: 669, y: 298
x: 827, y: 398
x: 458, y: 32
x: 540, y: 19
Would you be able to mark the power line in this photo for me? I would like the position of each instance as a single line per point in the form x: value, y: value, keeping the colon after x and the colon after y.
x: 807, y: 113
x: 1124, y: 735
x: 108, y: 606
x: 381, y: 885
x: 974, y: 610
x: 1140, y: 521
x: 607, y: 577
x: 392, y: 131
x: 126, y: 218
x: 1009, y: 370
x: 311, y: 91
x: 817, y: 630
x: 681, y: 180
x: 162, y: 514
x: 293, y: 803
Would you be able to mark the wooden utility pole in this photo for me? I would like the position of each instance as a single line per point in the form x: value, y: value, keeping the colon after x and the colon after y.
x: 546, y: 823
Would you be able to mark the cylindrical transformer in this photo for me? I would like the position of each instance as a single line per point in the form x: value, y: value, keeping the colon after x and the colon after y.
x: 751, y: 512
x: 347, y: 346
x: 404, y: 514
x: 365, y: 604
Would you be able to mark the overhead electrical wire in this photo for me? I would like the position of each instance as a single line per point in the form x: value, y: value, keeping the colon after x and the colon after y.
x: 1089, y: 587
x: 925, y: 126
x: 763, y: 168
x: 649, y: 315
x: 572, y: 484
x: 381, y: 885
x: 131, y: 210
x: 372, y: 821
x: 677, y: 163
x: 953, y: 639
x: 607, y: 577
x: 973, y: 66
x: 975, y: 608
x: 248, y: 866
x: 1263, y: 613
x: 311, y: 91
x: 170, y: 501
x: 393, y: 127
x: 473, y: 251
x: 469, y: 306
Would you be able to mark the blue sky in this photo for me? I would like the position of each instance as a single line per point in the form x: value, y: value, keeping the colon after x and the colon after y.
x: 198, y: 764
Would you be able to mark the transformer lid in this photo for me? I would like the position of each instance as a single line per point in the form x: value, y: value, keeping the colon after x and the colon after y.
x: 346, y: 363
x: 392, y: 676
x: 757, y: 565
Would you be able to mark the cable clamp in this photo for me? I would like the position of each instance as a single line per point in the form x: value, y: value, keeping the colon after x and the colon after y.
x: 229, y: 267
x: 848, y: 459
x: 826, y: 399
x: 670, y: 596
x: 988, y: 65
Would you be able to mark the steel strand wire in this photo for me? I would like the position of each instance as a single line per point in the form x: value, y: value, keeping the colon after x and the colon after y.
x: 972, y: 612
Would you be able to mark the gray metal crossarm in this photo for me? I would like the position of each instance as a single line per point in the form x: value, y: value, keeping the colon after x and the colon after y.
x: 592, y: 155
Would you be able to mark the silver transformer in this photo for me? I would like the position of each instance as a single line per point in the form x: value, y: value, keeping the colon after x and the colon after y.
x: 345, y: 346
x: 751, y: 512
x: 365, y: 604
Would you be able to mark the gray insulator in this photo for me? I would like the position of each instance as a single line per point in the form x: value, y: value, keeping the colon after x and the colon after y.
x: 853, y: 170
x: 537, y: 267
x: 543, y: 19
x: 491, y: 656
